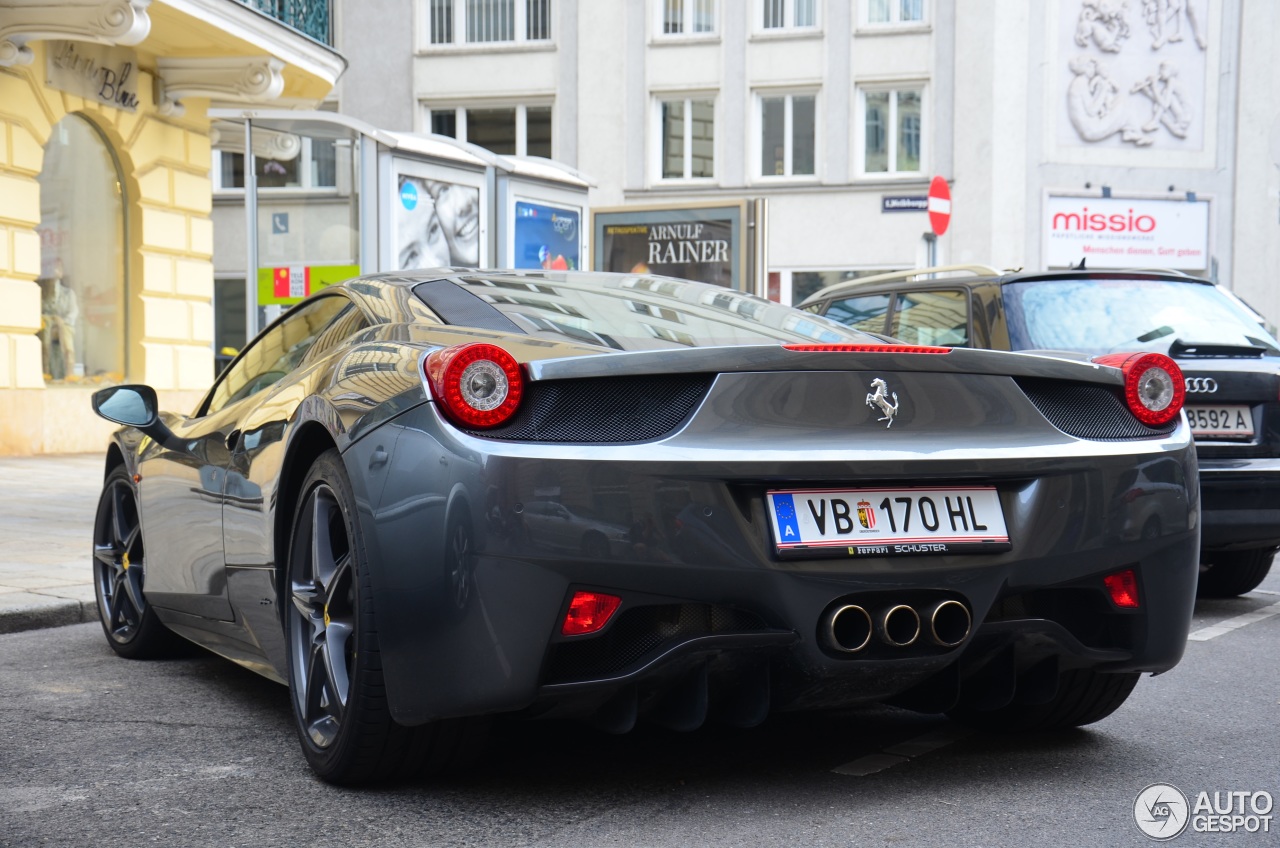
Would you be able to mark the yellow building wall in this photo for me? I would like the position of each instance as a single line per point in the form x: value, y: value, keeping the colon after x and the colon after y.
x: 169, y: 258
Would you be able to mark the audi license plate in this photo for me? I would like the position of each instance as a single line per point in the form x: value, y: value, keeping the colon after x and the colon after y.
x: 1229, y: 421
x: 888, y: 522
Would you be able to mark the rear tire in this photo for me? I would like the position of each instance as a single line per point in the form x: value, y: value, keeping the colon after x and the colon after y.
x: 119, y: 575
x: 1083, y: 697
x: 1232, y: 573
x: 337, y: 689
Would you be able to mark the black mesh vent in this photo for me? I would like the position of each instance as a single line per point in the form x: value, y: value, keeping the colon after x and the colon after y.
x: 1088, y: 411
x: 603, y: 409
x: 640, y: 631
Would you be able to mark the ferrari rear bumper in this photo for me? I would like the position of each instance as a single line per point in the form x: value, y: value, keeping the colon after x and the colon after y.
x: 713, y: 621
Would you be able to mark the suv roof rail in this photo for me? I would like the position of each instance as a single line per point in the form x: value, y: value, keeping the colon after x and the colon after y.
x: 905, y: 274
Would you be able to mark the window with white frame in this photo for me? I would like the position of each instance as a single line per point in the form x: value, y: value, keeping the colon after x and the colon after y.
x: 507, y: 130
x: 487, y: 21
x: 892, y: 130
x: 893, y: 11
x: 788, y: 135
x: 681, y: 18
x: 788, y: 14
x: 314, y: 168
x: 686, y: 138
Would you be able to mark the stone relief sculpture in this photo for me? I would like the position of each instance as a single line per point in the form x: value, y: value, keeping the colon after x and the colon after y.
x: 1169, y: 101
x: 1096, y: 107
x: 1111, y: 98
x: 1104, y: 22
x: 1164, y: 20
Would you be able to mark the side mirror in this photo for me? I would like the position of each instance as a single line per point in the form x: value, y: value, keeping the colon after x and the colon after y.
x: 133, y: 406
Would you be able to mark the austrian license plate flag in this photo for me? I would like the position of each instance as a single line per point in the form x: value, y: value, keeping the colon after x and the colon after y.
x: 888, y: 522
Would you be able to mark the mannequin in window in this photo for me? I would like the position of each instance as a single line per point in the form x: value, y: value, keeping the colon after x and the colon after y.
x: 60, y: 311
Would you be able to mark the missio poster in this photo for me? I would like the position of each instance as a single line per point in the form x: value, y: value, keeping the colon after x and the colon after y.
x: 693, y: 244
x: 547, y: 237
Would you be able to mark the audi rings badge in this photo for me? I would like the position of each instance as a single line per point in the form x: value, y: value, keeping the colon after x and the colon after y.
x: 1201, y: 385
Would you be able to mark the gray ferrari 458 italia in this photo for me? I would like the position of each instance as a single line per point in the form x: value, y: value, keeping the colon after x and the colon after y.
x: 422, y: 501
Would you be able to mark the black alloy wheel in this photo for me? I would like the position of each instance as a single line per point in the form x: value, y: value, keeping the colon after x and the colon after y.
x: 119, y: 574
x: 322, y: 620
x: 338, y: 695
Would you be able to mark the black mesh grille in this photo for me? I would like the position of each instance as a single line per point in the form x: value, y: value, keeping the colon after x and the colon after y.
x: 640, y: 631
x: 603, y: 409
x: 1088, y: 411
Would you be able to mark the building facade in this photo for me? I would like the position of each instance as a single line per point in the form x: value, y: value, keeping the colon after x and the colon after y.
x: 1042, y: 117
x: 106, y: 241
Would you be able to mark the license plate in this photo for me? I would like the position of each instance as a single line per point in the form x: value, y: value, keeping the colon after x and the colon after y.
x: 888, y: 522
x: 1227, y: 420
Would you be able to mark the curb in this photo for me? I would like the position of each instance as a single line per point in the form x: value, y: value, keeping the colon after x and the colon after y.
x: 20, y: 611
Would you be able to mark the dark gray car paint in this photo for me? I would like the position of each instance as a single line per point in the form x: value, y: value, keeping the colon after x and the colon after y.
x: 773, y: 417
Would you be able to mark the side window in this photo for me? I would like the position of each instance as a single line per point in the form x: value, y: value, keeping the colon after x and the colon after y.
x: 932, y: 318
x: 347, y: 323
x: 269, y: 359
x: 862, y: 313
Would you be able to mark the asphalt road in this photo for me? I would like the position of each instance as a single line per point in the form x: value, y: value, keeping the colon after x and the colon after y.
x: 99, y: 751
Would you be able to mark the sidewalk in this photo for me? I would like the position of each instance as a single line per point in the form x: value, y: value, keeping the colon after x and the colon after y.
x: 47, y: 505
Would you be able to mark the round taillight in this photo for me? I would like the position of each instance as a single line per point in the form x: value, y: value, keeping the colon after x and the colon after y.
x: 1154, y: 387
x: 478, y: 385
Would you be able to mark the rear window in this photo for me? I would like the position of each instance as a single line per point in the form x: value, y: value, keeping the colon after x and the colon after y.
x: 1106, y: 315
x: 645, y: 313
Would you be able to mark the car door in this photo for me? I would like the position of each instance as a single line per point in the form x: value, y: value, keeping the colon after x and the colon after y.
x: 256, y: 453
x: 180, y: 489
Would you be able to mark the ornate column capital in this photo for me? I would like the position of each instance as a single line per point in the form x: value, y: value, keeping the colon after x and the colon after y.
x: 113, y: 22
x: 236, y: 79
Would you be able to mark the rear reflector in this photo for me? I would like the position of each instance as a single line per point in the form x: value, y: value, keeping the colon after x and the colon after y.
x: 868, y: 348
x: 1123, y: 588
x: 589, y: 612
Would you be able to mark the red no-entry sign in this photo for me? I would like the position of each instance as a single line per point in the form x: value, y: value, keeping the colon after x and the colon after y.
x: 939, y: 205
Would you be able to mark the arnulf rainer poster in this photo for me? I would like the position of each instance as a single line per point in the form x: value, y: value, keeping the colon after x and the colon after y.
x: 694, y: 244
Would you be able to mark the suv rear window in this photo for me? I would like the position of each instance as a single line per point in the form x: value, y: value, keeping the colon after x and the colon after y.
x: 1105, y: 315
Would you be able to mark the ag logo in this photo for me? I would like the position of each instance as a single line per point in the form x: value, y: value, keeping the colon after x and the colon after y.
x: 1161, y: 811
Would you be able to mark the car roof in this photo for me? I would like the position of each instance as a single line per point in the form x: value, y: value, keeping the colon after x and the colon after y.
x: 974, y: 275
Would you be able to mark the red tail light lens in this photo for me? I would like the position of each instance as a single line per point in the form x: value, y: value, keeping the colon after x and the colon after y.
x: 865, y: 348
x: 1154, y: 387
x: 477, y: 385
x: 1123, y: 588
x: 589, y: 612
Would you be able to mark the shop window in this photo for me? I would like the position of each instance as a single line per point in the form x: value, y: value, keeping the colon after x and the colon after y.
x: 787, y: 135
x: 686, y: 139
x: 82, y: 258
x: 487, y: 21
x: 892, y: 131
x: 506, y: 130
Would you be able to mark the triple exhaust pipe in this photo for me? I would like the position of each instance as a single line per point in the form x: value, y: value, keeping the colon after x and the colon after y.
x: 849, y: 628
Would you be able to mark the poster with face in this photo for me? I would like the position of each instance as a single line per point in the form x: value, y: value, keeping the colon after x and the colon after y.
x: 547, y: 237
x: 437, y: 224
